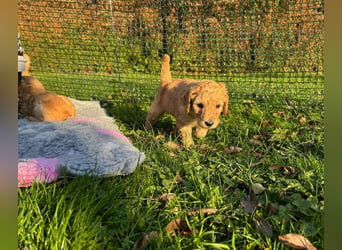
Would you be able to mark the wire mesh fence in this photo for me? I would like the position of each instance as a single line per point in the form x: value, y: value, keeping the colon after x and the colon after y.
x: 264, y: 50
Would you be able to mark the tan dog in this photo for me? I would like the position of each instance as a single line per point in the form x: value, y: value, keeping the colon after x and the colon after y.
x: 38, y: 104
x: 194, y: 103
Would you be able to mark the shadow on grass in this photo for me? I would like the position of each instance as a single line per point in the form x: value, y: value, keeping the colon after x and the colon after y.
x: 131, y: 114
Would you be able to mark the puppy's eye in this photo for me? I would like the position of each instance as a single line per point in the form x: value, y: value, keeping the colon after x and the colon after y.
x: 218, y: 106
x: 200, y: 105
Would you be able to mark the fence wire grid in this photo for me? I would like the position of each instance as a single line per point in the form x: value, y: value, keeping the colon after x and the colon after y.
x: 270, y: 51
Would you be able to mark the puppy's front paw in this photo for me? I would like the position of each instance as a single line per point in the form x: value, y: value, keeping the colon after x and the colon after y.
x: 188, y: 142
x: 201, y: 132
x: 186, y: 136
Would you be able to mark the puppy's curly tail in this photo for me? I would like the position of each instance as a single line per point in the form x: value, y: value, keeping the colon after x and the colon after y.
x: 165, y: 69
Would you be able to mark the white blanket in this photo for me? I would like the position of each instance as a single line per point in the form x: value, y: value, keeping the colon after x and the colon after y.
x: 89, y: 143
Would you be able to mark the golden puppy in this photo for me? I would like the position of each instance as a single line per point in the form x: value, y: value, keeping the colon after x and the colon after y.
x: 194, y: 103
x: 38, y: 104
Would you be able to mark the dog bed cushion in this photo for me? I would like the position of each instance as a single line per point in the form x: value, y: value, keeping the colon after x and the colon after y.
x: 90, y: 143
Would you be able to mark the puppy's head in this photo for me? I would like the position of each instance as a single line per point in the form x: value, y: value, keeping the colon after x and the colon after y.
x: 30, y: 86
x: 206, y: 102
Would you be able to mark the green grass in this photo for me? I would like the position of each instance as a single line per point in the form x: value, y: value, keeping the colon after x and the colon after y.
x: 113, y: 213
x: 273, y: 89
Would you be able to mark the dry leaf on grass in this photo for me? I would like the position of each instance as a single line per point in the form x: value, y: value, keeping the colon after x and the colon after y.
x: 250, y: 203
x: 278, y: 113
x: 257, y: 163
x: 302, y: 120
x: 256, y: 154
x: 173, y: 145
x: 249, y: 103
x: 267, y: 124
x: 159, y: 136
x: 232, y: 150
x: 259, y: 137
x: 257, y: 188
x: 263, y: 227
x: 179, y: 179
x: 286, y: 169
x: 296, y: 241
x: 202, y: 211
x: 178, y: 226
x: 271, y: 209
x: 143, y: 241
x: 207, y: 147
x: 255, y: 141
x: 167, y: 197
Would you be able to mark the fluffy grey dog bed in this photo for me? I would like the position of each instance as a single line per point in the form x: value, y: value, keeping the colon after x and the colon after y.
x: 89, y: 143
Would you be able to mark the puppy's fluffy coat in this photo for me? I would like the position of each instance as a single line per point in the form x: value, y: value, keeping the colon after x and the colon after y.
x: 38, y: 104
x: 194, y: 103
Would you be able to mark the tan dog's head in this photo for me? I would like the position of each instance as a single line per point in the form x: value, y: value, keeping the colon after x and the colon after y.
x: 30, y: 86
x: 206, y: 101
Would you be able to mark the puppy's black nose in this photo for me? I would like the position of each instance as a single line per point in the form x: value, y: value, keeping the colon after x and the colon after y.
x: 209, y: 123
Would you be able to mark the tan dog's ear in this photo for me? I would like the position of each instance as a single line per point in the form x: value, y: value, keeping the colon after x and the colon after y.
x: 225, y: 105
x: 188, y: 96
x: 225, y: 98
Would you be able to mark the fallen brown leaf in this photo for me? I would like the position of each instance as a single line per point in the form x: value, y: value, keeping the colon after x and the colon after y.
x: 254, y: 141
x: 267, y: 124
x: 302, y: 120
x: 179, y: 179
x: 286, y: 169
x: 177, y: 226
x: 167, y: 197
x: 259, y: 137
x: 257, y: 188
x: 294, y: 134
x: 263, y: 227
x: 202, y: 211
x: 249, y: 203
x: 159, y: 136
x: 257, y: 163
x: 173, y: 145
x: 296, y: 241
x: 278, y: 113
x: 271, y: 209
x: 257, y: 154
x: 207, y: 147
x: 143, y: 241
x: 232, y: 150
x: 247, y: 101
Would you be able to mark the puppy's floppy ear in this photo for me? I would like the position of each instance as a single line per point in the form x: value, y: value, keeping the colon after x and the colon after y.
x: 225, y: 105
x: 225, y: 98
x: 188, y: 97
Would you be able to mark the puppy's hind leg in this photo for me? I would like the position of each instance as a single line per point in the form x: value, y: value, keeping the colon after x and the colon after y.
x: 153, y: 115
